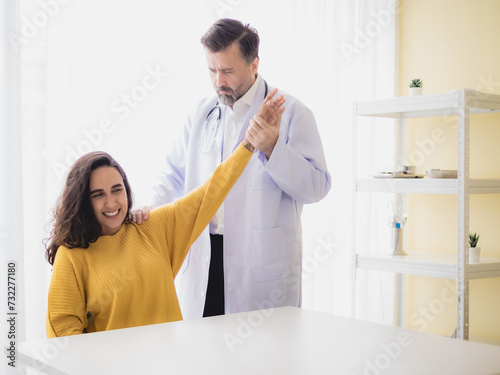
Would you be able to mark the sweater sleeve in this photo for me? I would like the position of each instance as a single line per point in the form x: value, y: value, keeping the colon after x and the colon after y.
x: 194, y: 211
x: 66, y: 303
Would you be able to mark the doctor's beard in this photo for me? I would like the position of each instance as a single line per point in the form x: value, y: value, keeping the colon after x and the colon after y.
x: 227, y: 99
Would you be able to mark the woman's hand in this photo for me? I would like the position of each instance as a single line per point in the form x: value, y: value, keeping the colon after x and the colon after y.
x: 271, y: 108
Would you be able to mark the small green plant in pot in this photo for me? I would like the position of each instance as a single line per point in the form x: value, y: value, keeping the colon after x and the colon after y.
x: 474, y: 250
x: 416, y: 86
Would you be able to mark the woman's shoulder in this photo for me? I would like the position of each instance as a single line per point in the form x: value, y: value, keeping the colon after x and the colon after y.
x: 160, y: 213
x: 70, y: 255
x: 159, y: 219
x: 67, y: 251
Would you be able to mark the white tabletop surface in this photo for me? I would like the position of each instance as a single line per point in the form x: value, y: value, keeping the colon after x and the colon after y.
x: 278, y: 341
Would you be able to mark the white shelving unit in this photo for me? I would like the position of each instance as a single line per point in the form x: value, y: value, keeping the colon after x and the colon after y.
x: 461, y: 104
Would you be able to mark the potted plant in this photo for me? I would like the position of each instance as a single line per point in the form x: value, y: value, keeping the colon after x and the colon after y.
x: 474, y: 250
x: 416, y: 87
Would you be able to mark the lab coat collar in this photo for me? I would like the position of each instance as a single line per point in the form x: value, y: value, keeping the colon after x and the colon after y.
x: 250, y: 94
x: 257, y: 98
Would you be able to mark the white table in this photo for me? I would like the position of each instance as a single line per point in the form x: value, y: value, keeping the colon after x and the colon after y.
x: 279, y: 341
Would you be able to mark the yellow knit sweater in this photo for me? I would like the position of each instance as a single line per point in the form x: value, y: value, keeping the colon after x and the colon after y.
x: 127, y: 279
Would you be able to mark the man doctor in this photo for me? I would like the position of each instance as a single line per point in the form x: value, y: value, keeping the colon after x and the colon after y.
x: 250, y: 256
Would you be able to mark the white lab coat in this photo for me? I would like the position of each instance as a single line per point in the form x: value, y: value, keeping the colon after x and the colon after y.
x: 262, y: 227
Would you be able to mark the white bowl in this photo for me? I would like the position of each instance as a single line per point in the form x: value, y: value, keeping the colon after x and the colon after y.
x: 438, y: 173
x: 408, y: 169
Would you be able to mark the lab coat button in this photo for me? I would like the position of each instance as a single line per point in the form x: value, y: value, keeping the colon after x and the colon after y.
x: 202, y: 293
x: 207, y: 258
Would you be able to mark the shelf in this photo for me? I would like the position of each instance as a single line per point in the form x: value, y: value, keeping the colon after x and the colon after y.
x: 425, y: 263
x: 433, y: 105
x: 457, y: 106
x: 425, y: 186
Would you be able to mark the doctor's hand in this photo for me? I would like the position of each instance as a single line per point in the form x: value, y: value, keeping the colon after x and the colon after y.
x: 262, y: 135
x: 140, y: 214
x: 264, y: 128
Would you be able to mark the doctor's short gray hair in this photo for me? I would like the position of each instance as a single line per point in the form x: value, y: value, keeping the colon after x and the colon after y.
x: 226, y: 31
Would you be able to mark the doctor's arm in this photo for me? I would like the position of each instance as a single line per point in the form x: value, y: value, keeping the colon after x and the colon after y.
x: 297, y: 163
x: 264, y: 127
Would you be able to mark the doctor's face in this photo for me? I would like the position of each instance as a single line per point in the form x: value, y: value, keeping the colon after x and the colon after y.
x: 230, y: 74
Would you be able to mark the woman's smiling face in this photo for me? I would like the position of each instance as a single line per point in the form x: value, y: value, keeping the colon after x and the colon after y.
x: 108, y: 198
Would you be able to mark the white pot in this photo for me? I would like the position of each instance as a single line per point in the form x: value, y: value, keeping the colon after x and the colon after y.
x: 474, y: 253
x: 416, y: 91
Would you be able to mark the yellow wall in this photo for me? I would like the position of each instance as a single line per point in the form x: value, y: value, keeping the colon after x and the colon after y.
x: 452, y: 44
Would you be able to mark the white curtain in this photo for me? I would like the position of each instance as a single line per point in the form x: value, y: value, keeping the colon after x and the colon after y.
x: 11, y: 193
x: 120, y: 76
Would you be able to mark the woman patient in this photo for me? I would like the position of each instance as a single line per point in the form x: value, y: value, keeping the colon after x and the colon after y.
x: 110, y: 273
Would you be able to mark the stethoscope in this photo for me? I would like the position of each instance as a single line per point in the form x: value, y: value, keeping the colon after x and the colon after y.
x: 217, y: 109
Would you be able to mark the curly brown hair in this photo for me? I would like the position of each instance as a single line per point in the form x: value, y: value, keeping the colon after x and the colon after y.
x: 75, y: 224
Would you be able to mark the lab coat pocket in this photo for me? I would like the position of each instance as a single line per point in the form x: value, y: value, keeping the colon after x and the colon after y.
x: 260, y: 178
x: 269, y: 260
